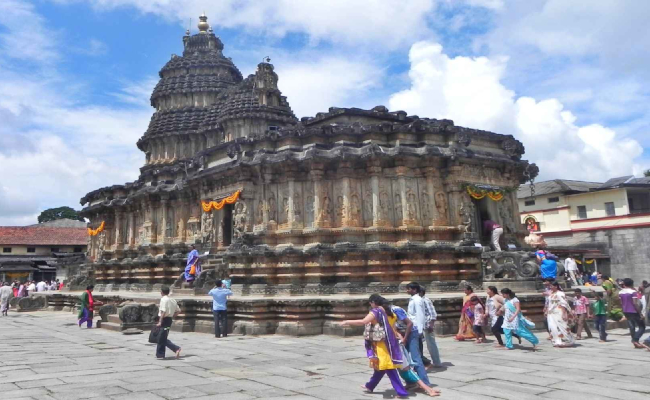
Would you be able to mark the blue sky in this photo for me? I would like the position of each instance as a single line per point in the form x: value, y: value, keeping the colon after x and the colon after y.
x: 568, y: 79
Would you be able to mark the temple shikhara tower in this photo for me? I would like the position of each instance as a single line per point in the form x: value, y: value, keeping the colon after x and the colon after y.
x: 347, y: 201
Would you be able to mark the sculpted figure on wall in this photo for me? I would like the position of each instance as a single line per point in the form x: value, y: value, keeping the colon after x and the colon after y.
x: 399, y: 215
x: 411, y: 206
x: 367, y: 204
x: 355, y: 211
x: 441, y: 206
x: 340, y: 209
x: 325, y: 216
x: 505, y: 212
x: 466, y: 213
x: 239, y: 220
x: 273, y: 209
x: 207, y: 228
x: 297, y: 208
x: 101, y: 246
x: 285, y: 210
x: 383, y: 206
x: 260, y: 212
x: 426, y: 208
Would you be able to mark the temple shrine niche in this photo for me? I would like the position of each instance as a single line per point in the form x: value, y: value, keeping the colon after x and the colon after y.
x: 347, y: 201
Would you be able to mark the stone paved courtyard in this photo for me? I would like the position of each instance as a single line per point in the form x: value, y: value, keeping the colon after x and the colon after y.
x: 45, y: 355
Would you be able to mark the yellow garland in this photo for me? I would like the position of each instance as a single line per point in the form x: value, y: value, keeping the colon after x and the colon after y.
x: 478, y: 194
x: 95, y: 232
x: 218, y: 205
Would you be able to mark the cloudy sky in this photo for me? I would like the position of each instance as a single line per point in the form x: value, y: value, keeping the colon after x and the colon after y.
x: 570, y: 79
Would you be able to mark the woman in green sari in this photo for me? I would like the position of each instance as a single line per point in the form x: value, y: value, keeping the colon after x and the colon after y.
x: 87, y: 307
x: 614, y: 306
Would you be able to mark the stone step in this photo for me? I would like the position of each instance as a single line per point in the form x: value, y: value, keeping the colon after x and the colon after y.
x: 114, y: 318
x: 111, y: 326
x: 177, y: 291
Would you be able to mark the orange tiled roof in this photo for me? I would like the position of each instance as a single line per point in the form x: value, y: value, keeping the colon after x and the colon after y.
x: 36, y: 235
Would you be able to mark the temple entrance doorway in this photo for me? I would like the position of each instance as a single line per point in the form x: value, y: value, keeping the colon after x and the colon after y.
x: 227, y: 224
x: 485, y: 209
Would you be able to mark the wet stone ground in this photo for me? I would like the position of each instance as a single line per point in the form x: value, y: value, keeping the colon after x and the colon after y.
x: 44, y: 355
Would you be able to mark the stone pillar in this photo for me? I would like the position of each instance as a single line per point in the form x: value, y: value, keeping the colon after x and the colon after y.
x: 401, y: 172
x: 119, y: 237
x: 134, y: 230
x: 319, y: 193
x: 163, y: 222
x: 291, y: 217
x: 431, y: 192
x: 345, y: 172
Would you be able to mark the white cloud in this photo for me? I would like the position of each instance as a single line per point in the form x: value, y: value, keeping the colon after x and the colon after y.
x: 54, y: 148
x: 386, y: 23
x: 314, y: 86
x: 470, y: 91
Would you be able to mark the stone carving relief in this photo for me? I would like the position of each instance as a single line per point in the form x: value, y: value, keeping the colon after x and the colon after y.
x: 220, y: 230
x: 506, y: 214
x: 101, y: 245
x: 384, y: 204
x: 285, y: 210
x: 260, y: 212
x: 367, y: 203
x: 399, y: 215
x: 411, y: 206
x: 272, y: 209
x: 355, y: 210
x: 207, y: 228
x: 297, y: 208
x: 340, y: 210
x: 441, y: 206
x: 309, y: 204
x: 425, y: 208
x: 466, y: 214
x: 239, y: 220
x: 325, y: 216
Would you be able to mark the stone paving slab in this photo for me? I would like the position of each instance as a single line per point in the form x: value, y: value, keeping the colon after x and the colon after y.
x: 44, y: 355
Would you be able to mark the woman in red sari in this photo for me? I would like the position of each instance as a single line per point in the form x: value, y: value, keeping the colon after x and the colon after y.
x: 466, y: 322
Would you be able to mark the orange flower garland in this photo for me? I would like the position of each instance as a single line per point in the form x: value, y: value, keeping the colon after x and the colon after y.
x: 478, y: 193
x: 95, y: 232
x: 218, y: 205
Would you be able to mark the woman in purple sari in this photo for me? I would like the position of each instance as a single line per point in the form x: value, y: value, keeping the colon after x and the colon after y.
x: 385, y: 355
x: 193, y: 266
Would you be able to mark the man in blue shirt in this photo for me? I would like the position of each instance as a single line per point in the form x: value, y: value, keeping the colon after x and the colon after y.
x: 220, y: 296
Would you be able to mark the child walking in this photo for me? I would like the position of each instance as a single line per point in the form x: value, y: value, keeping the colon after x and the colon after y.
x: 479, y: 319
x: 600, y: 315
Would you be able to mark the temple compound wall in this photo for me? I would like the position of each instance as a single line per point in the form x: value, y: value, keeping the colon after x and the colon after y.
x: 349, y: 201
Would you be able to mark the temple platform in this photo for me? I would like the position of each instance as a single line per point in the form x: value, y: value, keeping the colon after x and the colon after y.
x: 258, y: 315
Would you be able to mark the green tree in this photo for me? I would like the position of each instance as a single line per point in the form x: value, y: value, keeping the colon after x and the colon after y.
x: 52, y: 214
x: 646, y: 172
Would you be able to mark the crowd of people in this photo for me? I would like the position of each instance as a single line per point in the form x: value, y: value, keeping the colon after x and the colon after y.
x: 23, y: 289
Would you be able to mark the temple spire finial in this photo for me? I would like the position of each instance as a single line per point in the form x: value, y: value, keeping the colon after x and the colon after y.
x: 203, y: 23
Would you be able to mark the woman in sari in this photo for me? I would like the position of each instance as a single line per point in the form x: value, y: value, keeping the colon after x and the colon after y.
x: 385, y: 355
x: 87, y: 307
x: 559, y: 315
x: 514, y: 321
x: 21, y: 290
x: 614, y: 306
x: 193, y: 266
x: 466, y: 322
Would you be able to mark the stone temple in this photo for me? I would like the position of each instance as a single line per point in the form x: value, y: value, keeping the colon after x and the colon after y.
x: 349, y: 201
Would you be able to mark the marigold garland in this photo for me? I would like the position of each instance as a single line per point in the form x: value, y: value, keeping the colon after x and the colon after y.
x: 218, y: 205
x: 95, y: 232
x: 479, y: 193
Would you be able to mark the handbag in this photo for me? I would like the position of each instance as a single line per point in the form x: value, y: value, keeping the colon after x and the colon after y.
x: 374, y: 332
x: 193, y: 269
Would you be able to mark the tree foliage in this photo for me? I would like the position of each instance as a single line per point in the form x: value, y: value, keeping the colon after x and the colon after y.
x: 52, y: 214
x: 646, y: 172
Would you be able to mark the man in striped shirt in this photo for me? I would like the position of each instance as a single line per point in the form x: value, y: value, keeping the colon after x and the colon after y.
x: 429, y: 334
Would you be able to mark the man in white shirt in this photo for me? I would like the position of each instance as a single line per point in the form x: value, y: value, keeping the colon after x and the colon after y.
x: 166, y: 311
x: 572, y: 268
x: 31, y: 288
x: 41, y: 286
x: 417, y: 315
x: 429, y: 335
